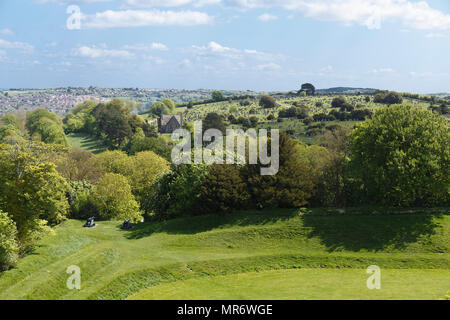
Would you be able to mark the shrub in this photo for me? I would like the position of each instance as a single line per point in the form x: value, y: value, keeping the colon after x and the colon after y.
x: 267, y: 101
x: 9, y: 248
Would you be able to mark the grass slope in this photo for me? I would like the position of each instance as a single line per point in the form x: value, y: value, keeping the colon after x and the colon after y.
x: 118, y: 264
x: 85, y: 142
x: 301, y: 284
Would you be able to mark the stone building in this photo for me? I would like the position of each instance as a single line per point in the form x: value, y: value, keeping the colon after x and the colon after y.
x: 168, y: 123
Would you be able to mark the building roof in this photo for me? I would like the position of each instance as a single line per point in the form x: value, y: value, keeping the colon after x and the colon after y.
x: 165, y: 118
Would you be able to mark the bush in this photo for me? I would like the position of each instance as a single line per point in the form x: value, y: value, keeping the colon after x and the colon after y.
x: 114, y: 200
x: 224, y: 190
x: 401, y: 158
x: 267, y: 101
x: 9, y: 248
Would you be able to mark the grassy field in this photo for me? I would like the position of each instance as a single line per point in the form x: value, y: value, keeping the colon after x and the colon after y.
x: 302, y: 255
x: 86, y: 143
x: 305, y: 284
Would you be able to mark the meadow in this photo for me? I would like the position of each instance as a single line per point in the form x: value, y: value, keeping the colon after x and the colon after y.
x: 297, y: 127
x: 272, y: 254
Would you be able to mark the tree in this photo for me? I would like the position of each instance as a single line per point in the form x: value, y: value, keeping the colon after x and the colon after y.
x: 79, y: 165
x: 31, y: 190
x: 388, y: 97
x: 291, y: 187
x: 169, y: 104
x: 141, y: 170
x: 80, y: 119
x: 308, y: 87
x: 114, y: 200
x: 267, y: 101
x: 217, y: 96
x: 140, y: 142
x: 224, y: 190
x: 214, y: 121
x: 9, y: 249
x: 146, y: 168
x: 46, y: 126
x: 162, y: 107
x: 177, y: 193
x: 116, y: 162
x: 80, y: 200
x: 112, y: 121
x: 331, y: 182
x: 401, y: 157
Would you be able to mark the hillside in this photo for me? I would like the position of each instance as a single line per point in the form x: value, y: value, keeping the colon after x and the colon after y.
x: 290, y: 249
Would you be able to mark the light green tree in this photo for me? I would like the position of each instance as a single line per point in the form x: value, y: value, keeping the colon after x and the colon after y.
x: 31, y: 190
x: 9, y: 248
x: 401, y: 157
x: 114, y: 200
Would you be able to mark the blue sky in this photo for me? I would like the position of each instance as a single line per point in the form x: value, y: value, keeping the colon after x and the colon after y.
x: 226, y: 44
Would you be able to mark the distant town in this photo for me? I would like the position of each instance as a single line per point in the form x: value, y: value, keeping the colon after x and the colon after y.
x: 62, y: 100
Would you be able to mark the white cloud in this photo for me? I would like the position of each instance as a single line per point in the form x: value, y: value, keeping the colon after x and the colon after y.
x: 267, y: 17
x: 157, y: 3
x: 268, y: 67
x: 168, y: 3
x: 72, y: 1
x: 6, y: 32
x: 327, y: 69
x: 143, y: 18
x: 16, y: 45
x: 96, y: 52
x: 147, y: 47
x: 369, y: 13
x: 383, y: 70
x: 436, y: 36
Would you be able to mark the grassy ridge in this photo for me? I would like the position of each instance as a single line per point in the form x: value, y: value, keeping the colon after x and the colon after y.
x: 116, y: 264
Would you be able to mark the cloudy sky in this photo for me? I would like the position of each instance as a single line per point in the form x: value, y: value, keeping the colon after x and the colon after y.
x: 226, y: 44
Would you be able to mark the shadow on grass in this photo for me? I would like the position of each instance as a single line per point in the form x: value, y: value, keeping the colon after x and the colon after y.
x: 337, y: 232
x: 370, y: 232
x: 88, y: 143
x: 193, y: 225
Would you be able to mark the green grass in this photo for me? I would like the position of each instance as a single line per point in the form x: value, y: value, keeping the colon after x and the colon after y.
x: 118, y: 264
x: 302, y: 284
x: 85, y: 142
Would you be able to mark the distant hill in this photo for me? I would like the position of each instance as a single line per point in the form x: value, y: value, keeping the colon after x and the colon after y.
x: 345, y: 90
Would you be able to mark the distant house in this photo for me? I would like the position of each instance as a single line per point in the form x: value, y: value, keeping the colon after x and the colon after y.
x: 168, y: 123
